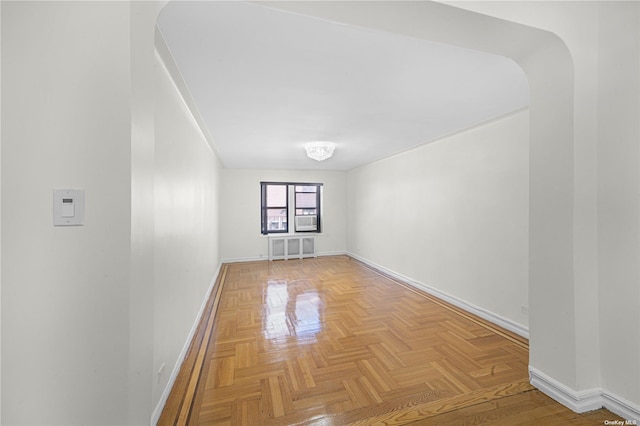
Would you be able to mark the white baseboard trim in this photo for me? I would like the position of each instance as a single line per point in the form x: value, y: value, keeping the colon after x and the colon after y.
x: 245, y: 259
x: 625, y: 409
x: 155, y: 416
x: 505, y: 323
x: 585, y: 400
x: 578, y: 401
x: 332, y: 253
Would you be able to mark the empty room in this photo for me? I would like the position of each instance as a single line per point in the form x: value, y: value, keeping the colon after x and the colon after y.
x: 335, y: 213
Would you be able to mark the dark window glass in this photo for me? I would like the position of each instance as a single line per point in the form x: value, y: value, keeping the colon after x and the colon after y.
x: 275, y: 208
x: 307, y: 203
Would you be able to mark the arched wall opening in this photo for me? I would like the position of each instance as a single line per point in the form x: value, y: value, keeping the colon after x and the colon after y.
x: 548, y: 66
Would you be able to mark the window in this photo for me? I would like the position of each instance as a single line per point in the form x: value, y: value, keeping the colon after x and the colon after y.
x: 307, y: 200
x: 276, y: 198
x: 275, y: 208
x: 307, y: 208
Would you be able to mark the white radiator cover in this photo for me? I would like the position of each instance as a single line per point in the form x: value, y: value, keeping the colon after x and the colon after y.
x: 292, y: 247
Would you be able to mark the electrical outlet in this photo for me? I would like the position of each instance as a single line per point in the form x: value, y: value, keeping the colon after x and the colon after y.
x: 524, y: 309
x: 160, y: 371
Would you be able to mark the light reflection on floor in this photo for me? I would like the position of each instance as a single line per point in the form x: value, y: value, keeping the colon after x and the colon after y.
x: 291, y: 311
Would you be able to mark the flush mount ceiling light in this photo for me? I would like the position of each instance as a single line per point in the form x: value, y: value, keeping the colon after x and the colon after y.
x: 319, y: 151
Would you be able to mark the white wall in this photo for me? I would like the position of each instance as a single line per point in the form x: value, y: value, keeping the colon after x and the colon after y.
x: 0, y: 220
x: 452, y: 214
x: 605, y: 49
x: 65, y: 309
x: 619, y: 197
x: 240, y: 237
x: 90, y: 313
x: 581, y: 39
x: 144, y: 75
x: 187, y: 176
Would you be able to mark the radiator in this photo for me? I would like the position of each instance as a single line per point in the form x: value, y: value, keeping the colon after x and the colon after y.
x: 292, y: 247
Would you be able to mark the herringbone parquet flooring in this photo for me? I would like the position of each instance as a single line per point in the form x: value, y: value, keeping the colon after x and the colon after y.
x: 329, y: 341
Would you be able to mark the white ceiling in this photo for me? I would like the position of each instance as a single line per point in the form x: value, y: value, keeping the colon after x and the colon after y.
x: 267, y: 81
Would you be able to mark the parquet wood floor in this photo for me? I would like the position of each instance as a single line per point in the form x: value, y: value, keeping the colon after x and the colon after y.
x: 329, y: 341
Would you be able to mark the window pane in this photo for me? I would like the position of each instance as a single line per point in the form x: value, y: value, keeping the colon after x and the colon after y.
x: 305, y: 200
x: 276, y: 195
x: 276, y: 219
x: 300, y: 188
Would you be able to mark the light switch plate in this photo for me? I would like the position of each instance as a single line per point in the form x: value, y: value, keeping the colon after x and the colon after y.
x: 68, y: 207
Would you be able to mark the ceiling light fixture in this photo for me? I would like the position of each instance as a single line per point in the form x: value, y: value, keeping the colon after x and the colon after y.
x: 319, y: 151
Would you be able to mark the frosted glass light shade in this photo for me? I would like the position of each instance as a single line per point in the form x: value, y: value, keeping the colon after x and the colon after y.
x: 320, y: 151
